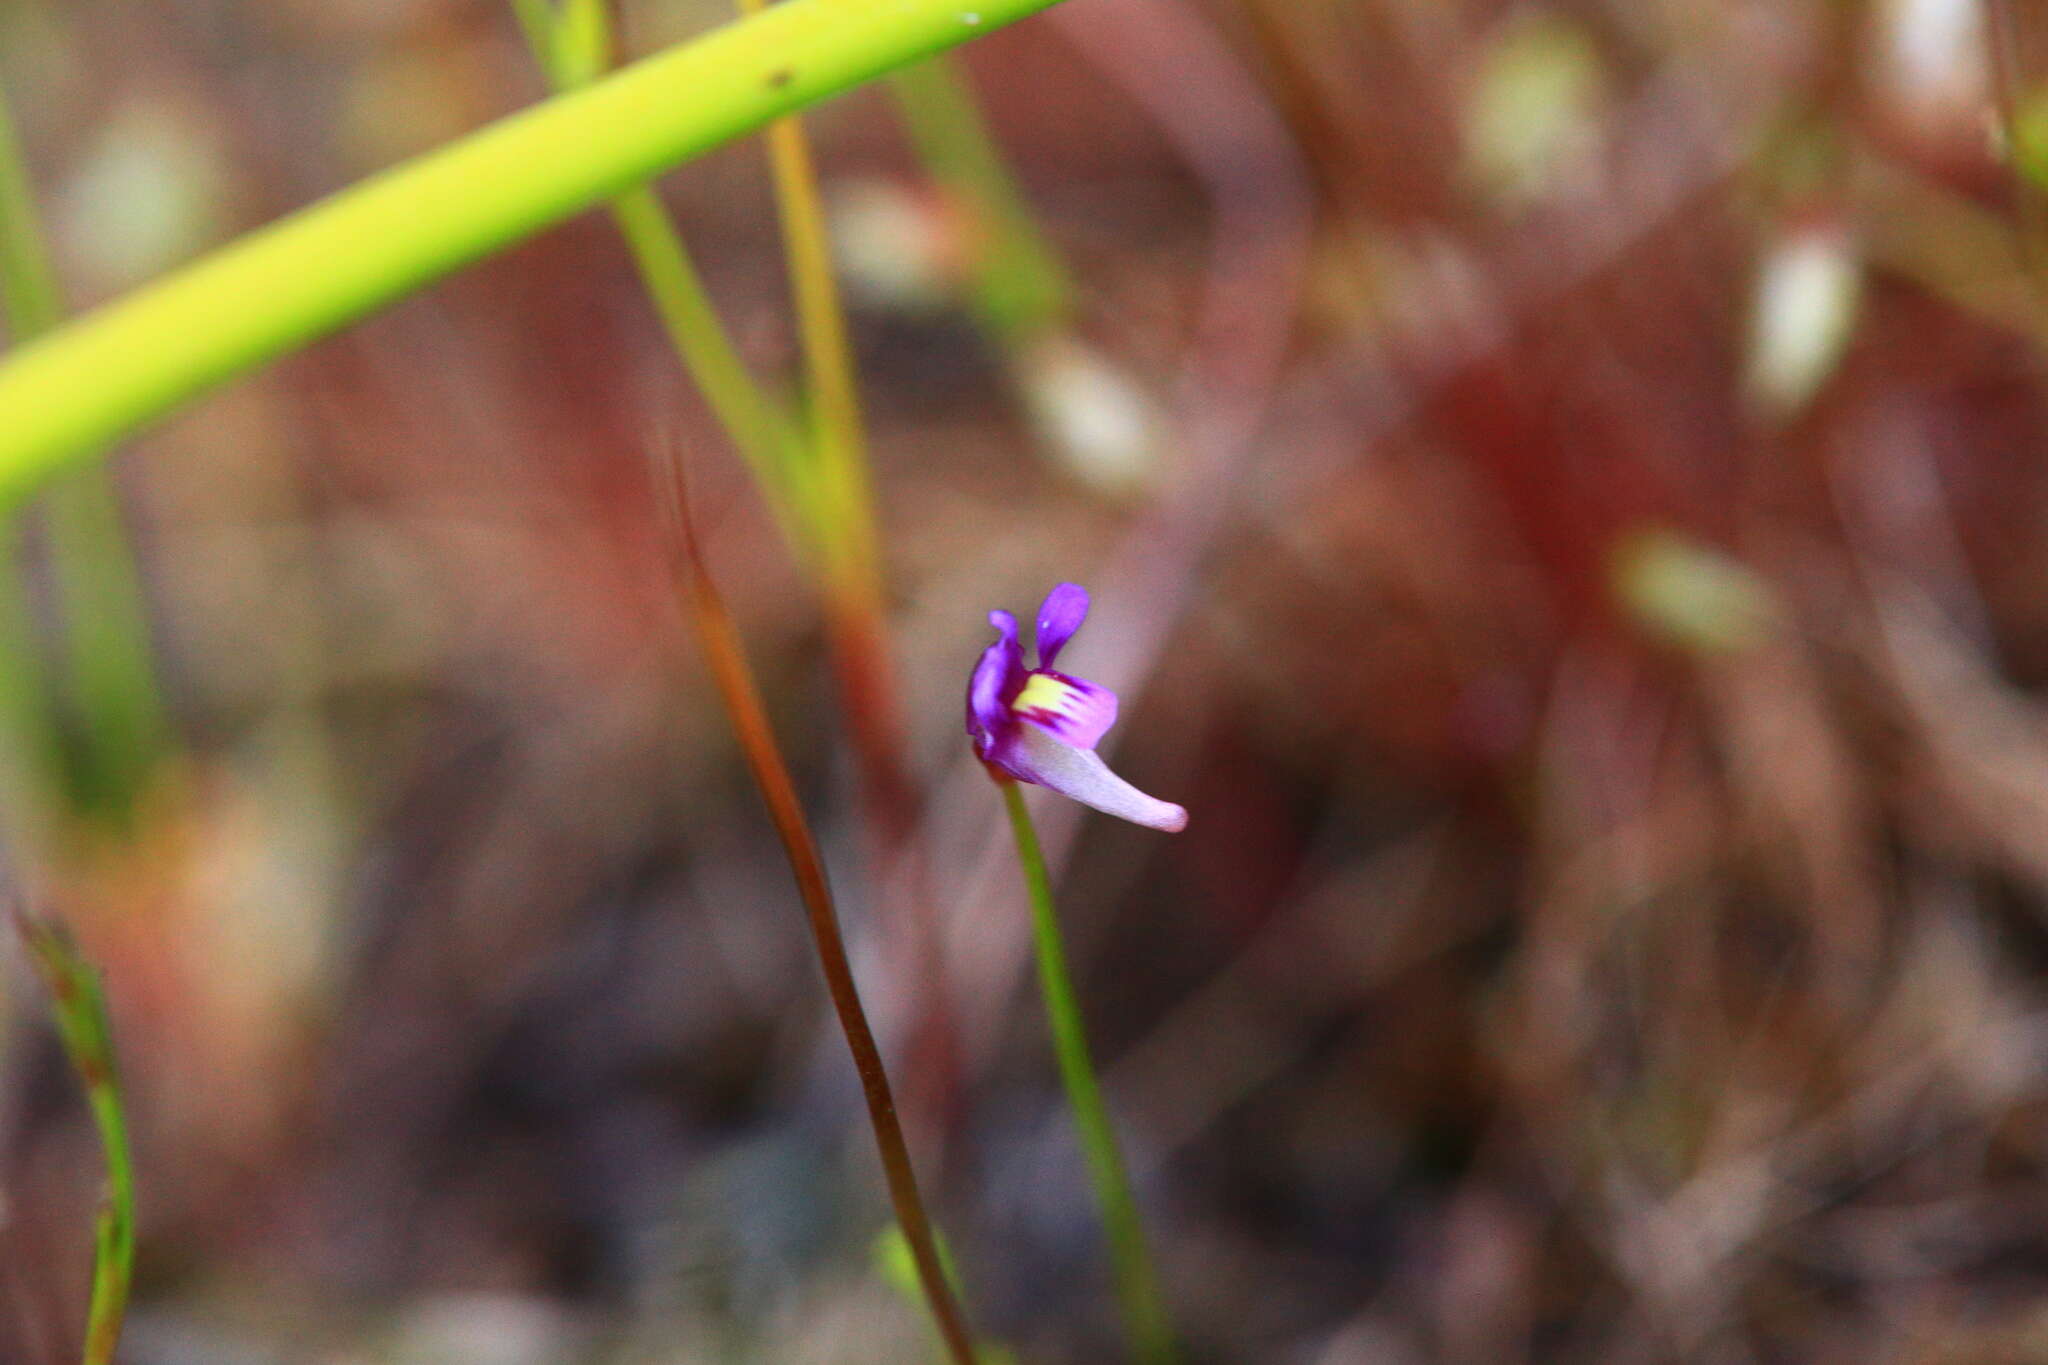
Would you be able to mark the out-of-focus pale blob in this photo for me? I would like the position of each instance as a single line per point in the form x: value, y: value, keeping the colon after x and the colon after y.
x: 1691, y: 594
x: 1097, y: 423
x: 1932, y: 62
x: 1807, y: 291
x: 487, y: 1329
x: 146, y: 196
x: 896, y: 248
x: 1531, y: 122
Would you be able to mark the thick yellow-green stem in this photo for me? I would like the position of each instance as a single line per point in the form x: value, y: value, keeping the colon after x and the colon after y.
x: 87, y: 383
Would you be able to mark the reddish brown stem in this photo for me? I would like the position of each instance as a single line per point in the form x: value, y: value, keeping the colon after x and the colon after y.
x: 764, y: 760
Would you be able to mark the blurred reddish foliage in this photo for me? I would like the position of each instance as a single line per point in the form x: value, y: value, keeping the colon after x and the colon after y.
x: 1591, y: 591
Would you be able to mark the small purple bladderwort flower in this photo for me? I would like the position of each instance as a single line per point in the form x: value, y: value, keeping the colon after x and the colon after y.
x: 1039, y: 726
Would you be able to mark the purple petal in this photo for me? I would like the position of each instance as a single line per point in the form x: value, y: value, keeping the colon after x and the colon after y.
x: 1062, y: 613
x: 1072, y: 710
x: 1036, y: 756
x: 997, y: 677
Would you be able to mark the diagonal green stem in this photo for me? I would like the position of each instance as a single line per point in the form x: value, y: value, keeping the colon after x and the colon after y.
x: 1136, y: 1279
x: 114, y: 1231
x: 757, y: 424
x: 327, y: 266
x: 759, y: 428
x: 1021, y: 291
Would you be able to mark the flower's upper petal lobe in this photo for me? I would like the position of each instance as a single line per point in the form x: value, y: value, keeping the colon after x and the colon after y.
x: 1081, y: 774
x: 1062, y: 613
x: 997, y: 676
x: 1072, y: 710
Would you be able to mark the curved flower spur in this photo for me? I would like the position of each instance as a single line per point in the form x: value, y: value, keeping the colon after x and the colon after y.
x: 1041, y: 726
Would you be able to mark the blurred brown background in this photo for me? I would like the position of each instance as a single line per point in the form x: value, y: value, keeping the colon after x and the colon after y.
x: 1562, y: 489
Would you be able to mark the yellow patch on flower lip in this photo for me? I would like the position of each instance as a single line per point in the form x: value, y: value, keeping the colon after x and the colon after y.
x: 1073, y: 710
x: 1044, y: 693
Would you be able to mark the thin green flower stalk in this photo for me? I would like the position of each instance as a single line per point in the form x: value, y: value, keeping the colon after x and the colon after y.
x: 1030, y: 722
x: 1020, y: 291
x: 110, y: 666
x: 80, y: 1007
x: 1137, y: 1281
x: 102, y: 376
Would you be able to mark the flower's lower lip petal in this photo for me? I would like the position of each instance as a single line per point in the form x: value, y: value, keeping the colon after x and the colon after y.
x: 1036, y: 756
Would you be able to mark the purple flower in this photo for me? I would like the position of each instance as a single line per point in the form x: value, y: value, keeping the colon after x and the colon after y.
x: 1038, y: 725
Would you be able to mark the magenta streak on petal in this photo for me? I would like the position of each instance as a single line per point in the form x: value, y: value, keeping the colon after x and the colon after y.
x: 1074, y: 710
x: 1082, y: 775
x: 1062, y: 613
